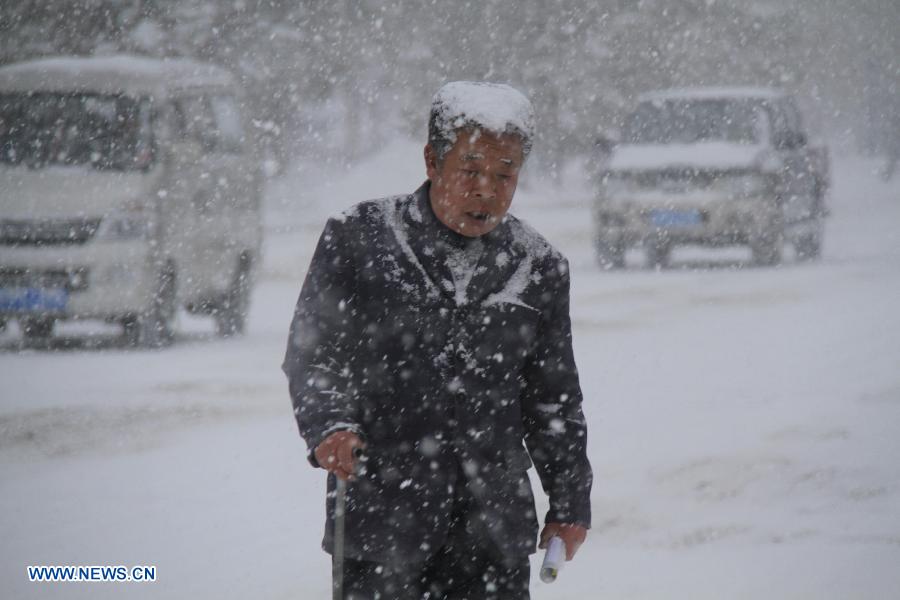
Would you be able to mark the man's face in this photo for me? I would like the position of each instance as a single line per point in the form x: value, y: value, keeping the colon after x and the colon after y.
x: 472, y: 188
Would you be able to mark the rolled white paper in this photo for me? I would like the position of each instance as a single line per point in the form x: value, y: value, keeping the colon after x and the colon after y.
x: 553, y: 559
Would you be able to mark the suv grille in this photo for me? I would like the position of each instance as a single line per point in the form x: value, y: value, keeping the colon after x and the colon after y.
x: 72, y: 279
x: 38, y: 233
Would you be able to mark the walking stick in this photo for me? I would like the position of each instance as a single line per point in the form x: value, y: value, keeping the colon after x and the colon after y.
x: 337, y: 562
x: 340, y: 511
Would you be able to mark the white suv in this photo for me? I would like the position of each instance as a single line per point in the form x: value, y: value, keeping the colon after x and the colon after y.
x: 128, y: 188
x: 712, y: 166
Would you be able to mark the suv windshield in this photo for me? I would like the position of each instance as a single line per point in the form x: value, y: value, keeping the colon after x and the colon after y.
x: 100, y: 131
x: 690, y: 121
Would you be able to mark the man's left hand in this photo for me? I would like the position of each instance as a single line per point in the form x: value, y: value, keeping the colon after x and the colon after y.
x: 572, y: 535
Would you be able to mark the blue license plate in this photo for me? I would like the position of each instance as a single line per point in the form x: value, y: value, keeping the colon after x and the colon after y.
x: 675, y: 218
x: 33, y: 299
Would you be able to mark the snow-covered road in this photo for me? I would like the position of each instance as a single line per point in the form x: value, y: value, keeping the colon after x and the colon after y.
x: 744, y: 423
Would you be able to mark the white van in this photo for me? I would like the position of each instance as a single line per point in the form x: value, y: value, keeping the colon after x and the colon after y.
x: 128, y: 188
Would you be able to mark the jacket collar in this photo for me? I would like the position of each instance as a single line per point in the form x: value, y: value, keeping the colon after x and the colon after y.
x: 429, y: 239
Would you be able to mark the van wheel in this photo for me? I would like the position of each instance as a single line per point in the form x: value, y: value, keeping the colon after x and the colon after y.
x: 36, y: 329
x: 231, y: 313
x: 153, y: 328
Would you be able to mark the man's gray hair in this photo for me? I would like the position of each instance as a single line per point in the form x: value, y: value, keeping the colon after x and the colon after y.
x: 493, y: 107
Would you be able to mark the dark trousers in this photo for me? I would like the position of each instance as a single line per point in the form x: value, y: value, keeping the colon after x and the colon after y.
x: 468, y: 567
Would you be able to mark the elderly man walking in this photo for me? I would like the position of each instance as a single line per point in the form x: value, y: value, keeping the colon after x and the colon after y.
x: 432, y: 332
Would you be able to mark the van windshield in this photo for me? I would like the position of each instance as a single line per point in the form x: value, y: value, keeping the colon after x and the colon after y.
x: 99, y: 131
x: 690, y: 121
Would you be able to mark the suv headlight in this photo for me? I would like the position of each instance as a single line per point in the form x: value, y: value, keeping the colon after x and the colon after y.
x: 615, y: 185
x: 124, y: 225
x: 744, y: 186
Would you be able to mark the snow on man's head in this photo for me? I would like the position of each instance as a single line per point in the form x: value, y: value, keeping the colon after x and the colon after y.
x: 493, y: 107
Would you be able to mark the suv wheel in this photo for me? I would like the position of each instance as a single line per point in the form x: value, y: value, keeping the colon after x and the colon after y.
x: 231, y: 312
x: 37, y: 328
x: 767, y: 250
x: 153, y: 328
x: 768, y: 244
x: 658, y: 253
x: 809, y: 245
x: 610, y: 255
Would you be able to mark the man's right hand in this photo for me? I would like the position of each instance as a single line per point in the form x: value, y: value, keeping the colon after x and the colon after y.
x: 336, y: 454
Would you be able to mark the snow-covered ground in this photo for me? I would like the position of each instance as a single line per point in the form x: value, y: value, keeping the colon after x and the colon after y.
x: 744, y: 422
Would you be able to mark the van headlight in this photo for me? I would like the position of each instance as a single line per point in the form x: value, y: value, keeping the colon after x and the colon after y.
x: 124, y: 225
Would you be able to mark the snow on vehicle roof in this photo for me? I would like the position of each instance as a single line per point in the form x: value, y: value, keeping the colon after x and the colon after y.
x: 109, y: 74
x: 711, y: 93
x: 706, y: 155
x: 496, y: 107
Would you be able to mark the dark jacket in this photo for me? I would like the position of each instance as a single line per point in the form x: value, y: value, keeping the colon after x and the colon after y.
x: 436, y: 388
